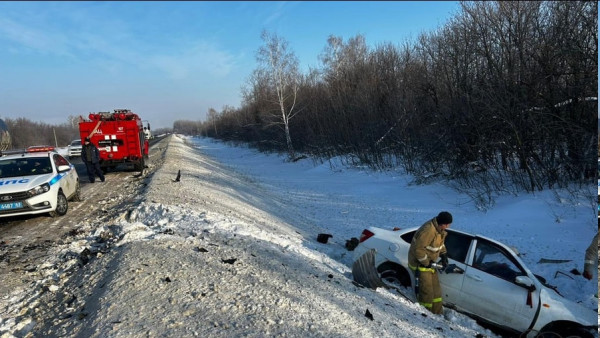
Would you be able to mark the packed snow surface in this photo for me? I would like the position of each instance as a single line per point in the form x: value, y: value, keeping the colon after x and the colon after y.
x: 230, y: 250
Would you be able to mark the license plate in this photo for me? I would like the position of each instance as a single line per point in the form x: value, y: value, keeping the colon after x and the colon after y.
x: 12, y: 205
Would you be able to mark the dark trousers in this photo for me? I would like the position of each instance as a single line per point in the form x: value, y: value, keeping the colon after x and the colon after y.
x: 93, y: 169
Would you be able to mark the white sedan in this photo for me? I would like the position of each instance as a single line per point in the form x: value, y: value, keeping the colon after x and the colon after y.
x: 485, y: 279
x: 36, y: 180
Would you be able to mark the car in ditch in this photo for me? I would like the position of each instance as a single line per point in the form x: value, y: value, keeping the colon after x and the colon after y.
x: 74, y: 149
x: 36, y: 180
x: 485, y: 279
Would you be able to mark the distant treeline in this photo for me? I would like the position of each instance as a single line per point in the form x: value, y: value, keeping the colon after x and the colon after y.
x: 502, y: 97
x: 25, y: 133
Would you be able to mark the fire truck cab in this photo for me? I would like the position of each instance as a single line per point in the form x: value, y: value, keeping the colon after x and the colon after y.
x: 119, y: 136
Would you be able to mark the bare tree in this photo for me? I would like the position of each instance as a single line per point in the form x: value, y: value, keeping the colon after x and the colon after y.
x: 73, y: 120
x: 280, y: 66
x: 212, y: 118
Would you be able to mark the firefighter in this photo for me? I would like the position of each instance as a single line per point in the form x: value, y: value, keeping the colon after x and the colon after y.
x: 90, y: 155
x: 426, y: 247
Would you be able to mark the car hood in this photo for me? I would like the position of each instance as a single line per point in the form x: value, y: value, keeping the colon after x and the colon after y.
x: 23, y: 183
x: 566, y: 309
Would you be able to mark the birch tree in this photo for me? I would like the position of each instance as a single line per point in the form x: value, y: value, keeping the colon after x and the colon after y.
x: 279, y: 65
x: 212, y: 116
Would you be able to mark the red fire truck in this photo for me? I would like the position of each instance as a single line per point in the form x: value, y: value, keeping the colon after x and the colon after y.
x: 119, y: 136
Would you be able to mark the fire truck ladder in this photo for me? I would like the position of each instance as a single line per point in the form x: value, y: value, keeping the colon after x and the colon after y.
x: 133, y: 146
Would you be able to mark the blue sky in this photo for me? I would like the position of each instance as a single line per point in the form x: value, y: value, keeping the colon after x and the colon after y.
x: 172, y: 61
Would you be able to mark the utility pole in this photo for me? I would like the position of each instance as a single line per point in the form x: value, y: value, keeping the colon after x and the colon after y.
x: 55, y: 141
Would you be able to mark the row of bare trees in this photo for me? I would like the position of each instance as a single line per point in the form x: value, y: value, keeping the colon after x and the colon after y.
x: 25, y: 133
x: 503, y: 96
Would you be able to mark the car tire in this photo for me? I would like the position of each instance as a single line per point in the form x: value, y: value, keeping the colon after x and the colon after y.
x: 139, y: 165
x: 77, y: 194
x: 394, y: 274
x: 564, y: 332
x: 62, y: 205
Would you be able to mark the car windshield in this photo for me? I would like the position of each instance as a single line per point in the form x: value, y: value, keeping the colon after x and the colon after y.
x: 27, y: 166
x: 76, y: 143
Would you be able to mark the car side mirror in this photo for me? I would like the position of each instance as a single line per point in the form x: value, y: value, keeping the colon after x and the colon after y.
x: 525, y: 282
x: 63, y: 168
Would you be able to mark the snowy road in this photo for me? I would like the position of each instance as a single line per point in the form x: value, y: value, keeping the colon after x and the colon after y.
x: 26, y: 242
x: 34, y: 249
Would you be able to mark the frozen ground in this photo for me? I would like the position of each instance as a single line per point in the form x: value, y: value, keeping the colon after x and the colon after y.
x: 231, y: 250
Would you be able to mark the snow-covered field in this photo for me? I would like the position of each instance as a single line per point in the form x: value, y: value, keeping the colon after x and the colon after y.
x: 342, y: 201
x: 231, y: 250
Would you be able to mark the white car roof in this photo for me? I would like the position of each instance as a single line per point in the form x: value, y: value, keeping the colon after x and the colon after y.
x: 512, y: 248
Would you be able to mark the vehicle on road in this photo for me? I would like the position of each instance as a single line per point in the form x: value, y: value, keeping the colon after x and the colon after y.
x: 147, y: 132
x: 75, y: 148
x: 119, y: 136
x: 36, y: 180
x: 485, y: 279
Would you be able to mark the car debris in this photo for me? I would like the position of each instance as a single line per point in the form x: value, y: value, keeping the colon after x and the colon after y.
x: 323, y: 238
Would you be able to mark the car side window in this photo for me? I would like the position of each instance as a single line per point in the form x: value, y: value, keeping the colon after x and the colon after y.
x: 407, y: 237
x: 59, y: 160
x: 491, y: 259
x: 457, y: 246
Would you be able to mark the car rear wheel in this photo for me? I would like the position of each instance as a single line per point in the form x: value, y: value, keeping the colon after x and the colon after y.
x: 62, y: 205
x: 394, y: 275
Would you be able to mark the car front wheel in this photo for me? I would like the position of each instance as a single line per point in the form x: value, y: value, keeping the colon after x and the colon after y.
x: 564, y: 331
x: 62, y: 205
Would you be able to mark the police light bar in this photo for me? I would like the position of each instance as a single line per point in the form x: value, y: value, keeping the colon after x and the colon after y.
x: 39, y: 149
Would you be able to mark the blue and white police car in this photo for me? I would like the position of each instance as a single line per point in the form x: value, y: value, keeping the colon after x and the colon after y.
x: 36, y: 180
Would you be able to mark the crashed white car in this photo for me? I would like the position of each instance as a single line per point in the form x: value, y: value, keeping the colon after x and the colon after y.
x: 36, y: 180
x: 485, y: 279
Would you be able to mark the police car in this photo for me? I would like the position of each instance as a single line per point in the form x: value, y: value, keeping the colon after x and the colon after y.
x: 36, y: 180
